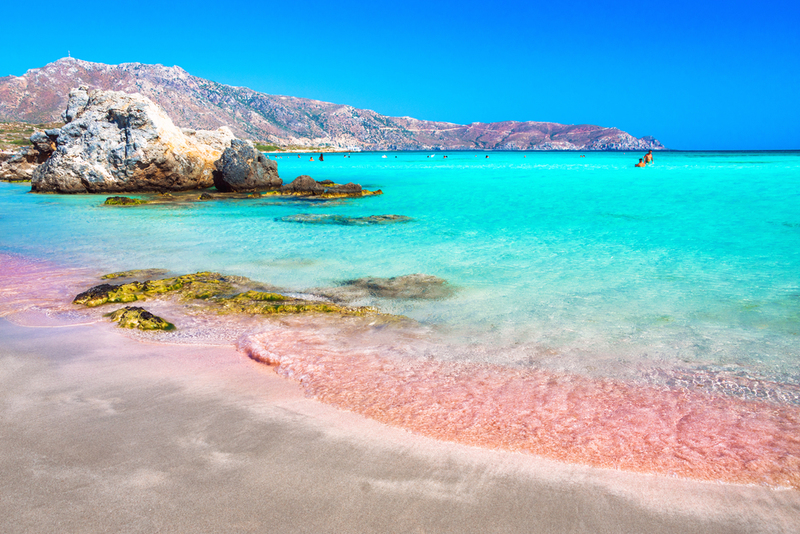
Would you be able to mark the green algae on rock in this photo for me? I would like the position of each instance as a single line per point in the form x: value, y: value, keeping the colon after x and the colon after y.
x: 201, y: 285
x: 217, y: 293
x: 136, y: 317
x: 124, y: 201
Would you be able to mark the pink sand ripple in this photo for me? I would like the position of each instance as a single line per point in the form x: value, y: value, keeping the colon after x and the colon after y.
x: 600, y: 422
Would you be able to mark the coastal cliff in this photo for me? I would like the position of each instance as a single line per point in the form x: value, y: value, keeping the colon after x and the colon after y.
x: 39, y: 96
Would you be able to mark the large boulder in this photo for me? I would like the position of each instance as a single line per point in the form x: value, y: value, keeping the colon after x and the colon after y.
x: 118, y: 142
x: 243, y: 168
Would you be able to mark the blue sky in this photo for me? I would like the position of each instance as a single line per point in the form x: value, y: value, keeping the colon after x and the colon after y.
x: 696, y: 75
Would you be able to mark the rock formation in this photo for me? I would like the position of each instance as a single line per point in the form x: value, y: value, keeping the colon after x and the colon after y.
x: 39, y: 96
x: 136, y: 317
x: 243, y: 168
x: 19, y: 166
x: 306, y: 186
x: 119, y: 142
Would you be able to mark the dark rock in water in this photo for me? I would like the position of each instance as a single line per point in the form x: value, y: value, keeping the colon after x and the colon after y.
x: 243, y: 168
x: 99, y: 295
x: 316, y: 218
x: 136, y: 317
x: 304, y: 184
x: 412, y: 286
x: 348, y: 188
x: 205, y: 196
x: 123, y: 201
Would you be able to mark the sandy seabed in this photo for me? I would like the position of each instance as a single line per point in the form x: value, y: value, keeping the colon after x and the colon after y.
x: 103, y: 433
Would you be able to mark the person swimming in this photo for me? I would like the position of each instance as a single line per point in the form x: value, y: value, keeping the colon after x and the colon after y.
x: 641, y: 163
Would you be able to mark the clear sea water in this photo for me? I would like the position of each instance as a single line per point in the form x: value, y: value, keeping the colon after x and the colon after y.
x: 693, y: 259
x: 584, y: 265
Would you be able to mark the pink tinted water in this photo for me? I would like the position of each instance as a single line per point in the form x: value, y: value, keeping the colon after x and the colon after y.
x: 600, y: 422
x: 28, y: 285
x: 379, y: 372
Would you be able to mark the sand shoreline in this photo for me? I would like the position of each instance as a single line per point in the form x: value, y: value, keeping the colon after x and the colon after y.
x: 104, y: 433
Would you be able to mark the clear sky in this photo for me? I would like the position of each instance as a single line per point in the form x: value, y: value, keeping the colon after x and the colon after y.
x: 694, y: 74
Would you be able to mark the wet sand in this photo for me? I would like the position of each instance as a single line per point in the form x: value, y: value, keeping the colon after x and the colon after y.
x: 102, y: 433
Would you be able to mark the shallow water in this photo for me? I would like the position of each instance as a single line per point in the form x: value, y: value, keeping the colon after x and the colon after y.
x: 683, y: 277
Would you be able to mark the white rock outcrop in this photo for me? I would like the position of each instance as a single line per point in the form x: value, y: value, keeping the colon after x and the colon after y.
x: 120, y: 142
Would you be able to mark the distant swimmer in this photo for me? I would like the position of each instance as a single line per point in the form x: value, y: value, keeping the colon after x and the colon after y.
x: 648, y: 158
x: 641, y: 163
x: 311, y: 159
x: 321, y: 158
x: 487, y: 156
x: 583, y: 156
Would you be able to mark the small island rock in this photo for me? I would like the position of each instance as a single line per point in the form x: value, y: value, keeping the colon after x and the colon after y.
x: 243, y: 168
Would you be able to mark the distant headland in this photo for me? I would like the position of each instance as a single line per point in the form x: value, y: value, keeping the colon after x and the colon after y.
x: 40, y: 95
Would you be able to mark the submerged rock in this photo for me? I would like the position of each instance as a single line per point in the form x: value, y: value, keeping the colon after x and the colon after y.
x: 243, y: 168
x: 135, y: 317
x: 124, y: 201
x: 119, y: 142
x: 411, y: 286
x: 316, y: 218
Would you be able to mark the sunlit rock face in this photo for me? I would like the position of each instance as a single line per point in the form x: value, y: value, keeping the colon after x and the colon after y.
x: 120, y: 142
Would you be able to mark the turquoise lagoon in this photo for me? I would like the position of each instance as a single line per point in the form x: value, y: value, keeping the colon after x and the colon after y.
x: 589, y: 264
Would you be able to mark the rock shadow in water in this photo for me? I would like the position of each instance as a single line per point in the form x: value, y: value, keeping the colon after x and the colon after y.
x: 411, y: 286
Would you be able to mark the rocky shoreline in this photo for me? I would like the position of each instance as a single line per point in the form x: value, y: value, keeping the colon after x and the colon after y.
x: 115, y: 142
x: 218, y: 294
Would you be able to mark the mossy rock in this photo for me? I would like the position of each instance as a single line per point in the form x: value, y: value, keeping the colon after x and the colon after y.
x: 105, y: 293
x: 136, y: 317
x: 218, y: 292
x: 202, y: 285
x: 124, y: 201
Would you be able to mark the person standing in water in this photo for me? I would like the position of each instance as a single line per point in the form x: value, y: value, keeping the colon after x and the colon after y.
x: 321, y: 158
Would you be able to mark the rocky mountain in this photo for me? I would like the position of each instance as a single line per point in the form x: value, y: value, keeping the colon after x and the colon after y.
x: 40, y: 96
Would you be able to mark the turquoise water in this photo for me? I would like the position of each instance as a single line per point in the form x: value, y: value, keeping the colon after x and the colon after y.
x: 584, y: 264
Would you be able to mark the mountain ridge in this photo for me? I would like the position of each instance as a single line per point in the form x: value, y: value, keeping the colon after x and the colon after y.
x: 40, y: 95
